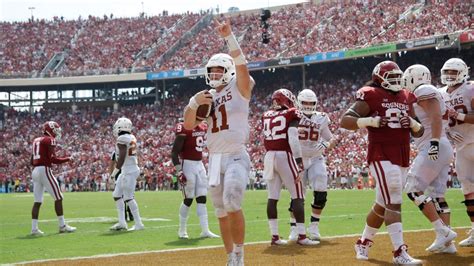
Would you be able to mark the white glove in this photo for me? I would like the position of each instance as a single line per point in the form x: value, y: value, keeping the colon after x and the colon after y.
x: 455, y: 137
x: 322, y: 145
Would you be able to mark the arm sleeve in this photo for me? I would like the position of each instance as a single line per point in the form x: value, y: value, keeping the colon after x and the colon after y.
x: 294, y: 142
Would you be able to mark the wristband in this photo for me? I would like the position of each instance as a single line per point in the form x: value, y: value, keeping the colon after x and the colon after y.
x: 193, y: 104
x: 232, y: 42
x: 368, y: 122
x: 461, y: 117
x: 240, y: 60
x: 414, y: 125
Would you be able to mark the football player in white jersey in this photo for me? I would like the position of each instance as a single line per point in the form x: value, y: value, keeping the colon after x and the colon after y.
x: 314, y: 138
x: 125, y: 173
x: 431, y: 165
x: 460, y: 102
x: 227, y: 136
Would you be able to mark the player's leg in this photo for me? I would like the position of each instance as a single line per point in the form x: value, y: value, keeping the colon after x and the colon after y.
x: 216, y: 194
x: 201, y: 199
x: 188, y: 193
x: 274, y: 186
x: 318, y: 177
x: 38, y: 189
x: 465, y: 170
x: 117, y: 194
x: 130, y: 181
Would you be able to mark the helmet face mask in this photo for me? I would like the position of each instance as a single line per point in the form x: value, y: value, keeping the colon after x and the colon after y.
x: 219, y: 61
x: 122, y: 124
x: 454, y: 71
x: 388, y: 75
x: 283, y: 99
x: 52, y: 129
x: 307, y: 102
x: 415, y: 76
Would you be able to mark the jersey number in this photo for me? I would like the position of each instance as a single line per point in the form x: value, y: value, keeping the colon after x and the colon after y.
x: 199, y: 143
x: 36, y: 150
x: 224, y: 124
x: 274, y: 128
x: 308, y: 133
x: 460, y: 109
x: 132, y: 150
x: 394, y: 115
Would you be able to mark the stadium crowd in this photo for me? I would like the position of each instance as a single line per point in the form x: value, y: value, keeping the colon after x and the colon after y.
x: 116, y: 45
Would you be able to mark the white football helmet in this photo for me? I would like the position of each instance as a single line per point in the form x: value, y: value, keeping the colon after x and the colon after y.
x: 415, y: 76
x: 458, y: 65
x: 122, y: 124
x: 311, y: 101
x: 224, y: 61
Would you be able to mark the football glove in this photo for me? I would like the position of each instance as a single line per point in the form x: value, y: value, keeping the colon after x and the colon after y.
x: 433, y: 152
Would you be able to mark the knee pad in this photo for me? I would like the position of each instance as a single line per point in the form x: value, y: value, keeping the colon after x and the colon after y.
x: 320, y: 199
x: 188, y: 202
x: 419, y: 200
x: 441, y: 206
x: 201, y: 199
x: 220, y: 213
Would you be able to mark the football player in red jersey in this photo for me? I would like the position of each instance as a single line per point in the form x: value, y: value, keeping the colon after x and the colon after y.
x: 188, y: 145
x: 42, y: 158
x: 283, y: 163
x: 386, y: 110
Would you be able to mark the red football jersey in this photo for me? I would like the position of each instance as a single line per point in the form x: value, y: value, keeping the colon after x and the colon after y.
x: 275, y: 128
x: 43, y: 152
x: 390, y: 143
x: 194, y: 142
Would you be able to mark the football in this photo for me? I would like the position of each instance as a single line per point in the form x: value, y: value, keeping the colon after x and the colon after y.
x: 203, y: 111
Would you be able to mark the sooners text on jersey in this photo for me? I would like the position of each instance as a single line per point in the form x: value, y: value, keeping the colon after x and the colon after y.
x: 194, y: 142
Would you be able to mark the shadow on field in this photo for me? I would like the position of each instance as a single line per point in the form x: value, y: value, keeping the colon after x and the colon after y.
x: 185, y: 242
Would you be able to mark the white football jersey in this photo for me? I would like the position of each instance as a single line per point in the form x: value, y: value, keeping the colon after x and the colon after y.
x: 425, y: 92
x: 460, y: 100
x: 228, y: 130
x: 130, y: 141
x: 311, y: 131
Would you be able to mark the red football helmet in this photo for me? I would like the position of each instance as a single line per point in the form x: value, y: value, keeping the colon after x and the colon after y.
x: 283, y: 98
x: 388, y: 75
x: 52, y: 129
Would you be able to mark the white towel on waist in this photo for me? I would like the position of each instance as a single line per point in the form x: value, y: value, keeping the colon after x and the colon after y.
x: 268, y: 165
x: 215, y: 169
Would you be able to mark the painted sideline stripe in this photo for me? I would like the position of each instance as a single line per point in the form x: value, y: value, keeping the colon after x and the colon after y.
x: 201, y: 248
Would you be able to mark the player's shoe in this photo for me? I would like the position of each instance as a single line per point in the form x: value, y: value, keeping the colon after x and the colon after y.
x: 401, y: 257
x: 443, y: 239
x: 230, y: 259
x: 313, y: 232
x: 451, y: 249
x: 239, y: 259
x: 37, y: 232
x: 277, y: 241
x: 137, y: 227
x: 293, y: 234
x: 67, y: 229
x: 362, y: 248
x: 469, y: 241
x: 304, y: 241
x: 182, y: 233
x: 118, y: 227
x: 208, y: 234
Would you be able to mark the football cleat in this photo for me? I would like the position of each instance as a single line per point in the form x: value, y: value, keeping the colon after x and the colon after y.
x: 313, y: 232
x: 183, y: 234
x: 401, y: 257
x: 239, y: 259
x: 468, y: 242
x: 293, y: 234
x: 362, y: 248
x: 230, y: 259
x: 209, y: 234
x: 277, y: 241
x: 118, y: 227
x: 67, y: 229
x: 442, y: 240
x: 451, y: 249
x: 137, y: 227
x: 304, y: 241
x: 37, y: 232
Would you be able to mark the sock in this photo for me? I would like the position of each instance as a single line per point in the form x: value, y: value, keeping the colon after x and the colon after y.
x: 273, y: 223
x: 238, y: 248
x: 438, y: 225
x: 292, y: 222
x: 201, y: 211
x: 61, y: 221
x: 34, y: 224
x: 395, y: 231
x: 301, y: 229
x: 121, y: 211
x: 134, y: 209
x: 315, y: 218
x: 183, y: 216
x: 369, y: 233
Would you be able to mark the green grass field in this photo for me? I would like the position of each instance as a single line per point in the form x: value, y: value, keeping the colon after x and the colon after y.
x: 94, y: 213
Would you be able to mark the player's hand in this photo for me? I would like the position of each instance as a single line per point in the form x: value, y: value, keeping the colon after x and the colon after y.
x: 223, y: 29
x: 383, y: 121
x: 115, y: 173
x: 405, y: 121
x: 452, y: 113
x: 182, y: 178
x: 322, y: 145
x: 203, y: 97
x: 433, y: 152
x: 455, y: 137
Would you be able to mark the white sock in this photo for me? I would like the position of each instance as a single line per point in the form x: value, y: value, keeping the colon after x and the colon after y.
x: 134, y: 209
x: 121, y: 211
x: 273, y: 223
x: 61, y: 221
x: 238, y: 248
x: 292, y: 220
x: 201, y: 211
x: 301, y: 229
x: 395, y: 231
x: 183, y: 216
x: 369, y: 233
x: 34, y: 224
x: 438, y: 225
